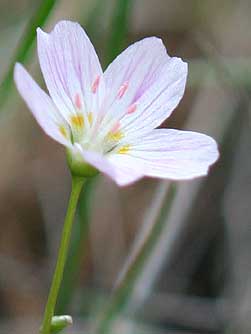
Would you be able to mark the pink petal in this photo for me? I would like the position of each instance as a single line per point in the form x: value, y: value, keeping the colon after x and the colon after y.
x: 155, y: 84
x: 171, y: 154
x: 158, y: 102
x: 119, y: 171
x: 40, y: 104
x: 69, y: 64
x: 137, y: 68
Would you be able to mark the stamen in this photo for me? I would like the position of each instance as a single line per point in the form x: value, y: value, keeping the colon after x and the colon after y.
x: 115, y: 134
x: 132, y: 108
x: 124, y: 149
x: 77, y: 121
x: 115, y: 127
x: 63, y: 131
x: 95, y: 84
x: 123, y: 88
x: 78, y: 101
x: 90, y: 117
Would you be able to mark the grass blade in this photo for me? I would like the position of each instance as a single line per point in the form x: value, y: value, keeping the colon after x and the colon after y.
x: 118, y: 30
x: 124, y: 289
x: 24, y: 48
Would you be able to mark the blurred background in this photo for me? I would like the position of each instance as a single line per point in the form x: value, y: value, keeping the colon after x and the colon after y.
x: 195, y: 276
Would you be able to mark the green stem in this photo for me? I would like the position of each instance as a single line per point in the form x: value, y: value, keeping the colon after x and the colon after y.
x: 77, y: 248
x: 77, y: 184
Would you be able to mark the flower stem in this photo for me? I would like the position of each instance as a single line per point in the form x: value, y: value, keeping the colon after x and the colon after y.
x: 77, y: 250
x: 77, y: 183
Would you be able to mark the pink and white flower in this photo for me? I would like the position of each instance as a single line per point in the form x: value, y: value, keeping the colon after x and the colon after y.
x: 108, y: 119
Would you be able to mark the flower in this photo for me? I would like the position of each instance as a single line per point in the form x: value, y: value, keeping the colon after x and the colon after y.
x: 108, y: 120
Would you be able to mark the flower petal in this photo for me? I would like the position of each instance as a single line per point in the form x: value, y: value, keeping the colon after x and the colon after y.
x: 137, y: 68
x: 40, y: 105
x: 155, y: 84
x: 70, y: 66
x: 171, y: 154
x: 119, y: 171
x: 158, y: 102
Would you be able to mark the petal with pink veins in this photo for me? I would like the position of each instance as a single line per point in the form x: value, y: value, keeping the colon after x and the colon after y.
x: 171, y: 154
x: 155, y: 83
x: 158, y: 102
x: 136, y: 68
x: 70, y: 66
x: 41, y: 105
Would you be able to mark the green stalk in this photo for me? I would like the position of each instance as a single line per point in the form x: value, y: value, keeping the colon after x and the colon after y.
x: 25, y: 45
x: 77, y: 184
x: 122, y: 293
x: 77, y: 248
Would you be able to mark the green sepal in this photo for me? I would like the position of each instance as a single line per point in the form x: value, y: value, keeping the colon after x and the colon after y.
x: 78, y: 166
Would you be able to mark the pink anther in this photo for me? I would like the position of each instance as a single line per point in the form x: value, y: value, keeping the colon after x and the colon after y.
x: 132, y: 108
x: 122, y: 89
x: 95, y: 84
x: 116, y: 127
x: 78, y: 101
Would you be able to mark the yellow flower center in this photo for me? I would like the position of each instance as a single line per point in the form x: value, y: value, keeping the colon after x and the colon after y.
x: 81, y: 131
